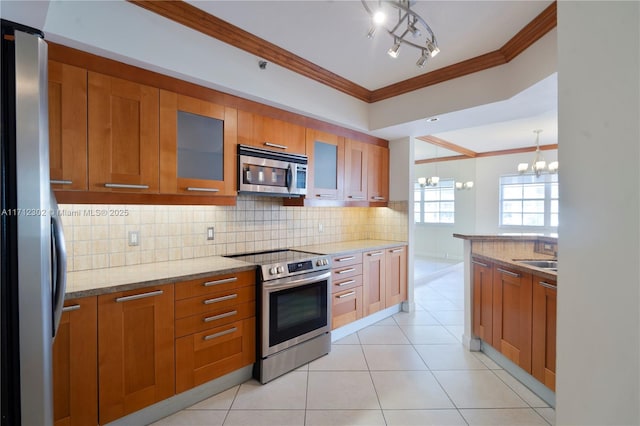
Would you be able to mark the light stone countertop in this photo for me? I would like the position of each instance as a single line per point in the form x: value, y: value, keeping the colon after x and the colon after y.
x: 346, y: 247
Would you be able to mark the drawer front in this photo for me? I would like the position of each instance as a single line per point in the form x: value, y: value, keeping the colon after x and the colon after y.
x: 340, y: 274
x: 202, y: 357
x: 214, y: 301
x: 346, y: 307
x: 344, y: 283
x: 346, y: 259
x: 214, y: 283
x: 214, y: 318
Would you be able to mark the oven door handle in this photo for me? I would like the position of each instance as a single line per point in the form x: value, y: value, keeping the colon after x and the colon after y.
x: 289, y: 283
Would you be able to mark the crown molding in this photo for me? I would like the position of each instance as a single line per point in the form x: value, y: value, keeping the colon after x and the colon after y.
x: 197, y: 19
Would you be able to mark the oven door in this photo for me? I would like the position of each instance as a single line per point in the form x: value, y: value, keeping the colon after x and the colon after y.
x: 295, y: 309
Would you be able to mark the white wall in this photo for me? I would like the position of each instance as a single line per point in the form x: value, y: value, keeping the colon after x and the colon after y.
x: 598, y: 351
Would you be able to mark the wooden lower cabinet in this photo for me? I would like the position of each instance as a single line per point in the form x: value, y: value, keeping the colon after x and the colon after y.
x: 373, y: 275
x: 482, y: 299
x: 75, y: 375
x: 396, y: 275
x: 512, y: 300
x: 543, y: 344
x: 136, y: 350
x: 346, y: 306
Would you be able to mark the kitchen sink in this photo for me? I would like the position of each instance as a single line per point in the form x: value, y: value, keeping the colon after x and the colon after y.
x: 544, y: 264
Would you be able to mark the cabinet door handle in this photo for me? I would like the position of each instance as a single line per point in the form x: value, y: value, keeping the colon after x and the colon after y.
x: 356, y: 197
x: 125, y: 185
x: 217, y: 282
x: 513, y: 274
x: 139, y: 296
x: 344, y: 259
x: 345, y: 271
x: 378, y: 253
x: 547, y: 285
x: 275, y: 145
x: 220, y: 299
x: 396, y: 250
x: 70, y: 308
x: 61, y: 182
x: 217, y: 317
x: 196, y: 189
x: 484, y: 265
x: 377, y: 198
x: 220, y: 334
x: 324, y: 195
x: 342, y: 296
x: 345, y: 283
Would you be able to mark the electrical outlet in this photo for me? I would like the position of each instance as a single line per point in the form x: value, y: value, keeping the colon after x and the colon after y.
x: 210, y: 233
x: 320, y: 228
x: 134, y: 238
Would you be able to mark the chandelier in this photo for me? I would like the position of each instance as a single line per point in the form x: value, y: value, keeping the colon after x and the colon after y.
x: 408, y: 29
x: 538, y: 165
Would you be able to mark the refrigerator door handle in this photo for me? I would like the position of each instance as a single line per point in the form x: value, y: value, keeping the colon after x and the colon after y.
x: 59, y: 264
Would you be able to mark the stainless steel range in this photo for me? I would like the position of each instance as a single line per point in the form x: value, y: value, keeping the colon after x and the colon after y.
x: 294, y: 310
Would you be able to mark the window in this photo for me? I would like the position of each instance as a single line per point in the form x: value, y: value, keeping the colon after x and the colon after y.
x: 435, y: 204
x: 529, y: 201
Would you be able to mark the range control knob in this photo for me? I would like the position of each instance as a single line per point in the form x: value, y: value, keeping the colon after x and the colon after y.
x: 273, y: 271
x: 319, y: 262
x: 280, y: 269
x: 325, y: 262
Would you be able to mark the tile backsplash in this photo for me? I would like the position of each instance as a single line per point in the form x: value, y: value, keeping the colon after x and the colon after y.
x: 97, y: 235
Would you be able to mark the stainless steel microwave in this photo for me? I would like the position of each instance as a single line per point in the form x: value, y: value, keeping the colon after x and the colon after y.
x: 274, y: 173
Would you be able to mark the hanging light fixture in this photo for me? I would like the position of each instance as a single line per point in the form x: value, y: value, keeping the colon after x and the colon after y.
x: 539, y: 165
x: 433, y: 180
x: 464, y: 185
x: 408, y: 24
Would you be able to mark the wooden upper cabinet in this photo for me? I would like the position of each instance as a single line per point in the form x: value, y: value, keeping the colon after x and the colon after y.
x: 377, y: 174
x: 270, y: 133
x: 75, y: 365
x: 356, y: 180
x: 325, y: 174
x: 197, y: 146
x: 136, y: 350
x: 543, y: 342
x: 67, y: 126
x: 123, y: 135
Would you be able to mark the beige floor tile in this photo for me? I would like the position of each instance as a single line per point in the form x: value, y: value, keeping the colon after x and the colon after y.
x: 439, y: 305
x: 382, y: 335
x: 423, y: 418
x: 491, y: 365
x: 265, y: 418
x: 449, y: 357
x: 386, y: 321
x: 344, y: 418
x: 351, y: 339
x: 524, y: 392
x: 503, y: 417
x: 414, y: 390
x: 548, y: 413
x: 341, y: 358
x: 393, y: 357
x: 478, y: 389
x: 428, y: 335
x: 284, y: 393
x: 456, y: 330
x: 221, y: 401
x: 415, y: 318
x: 194, y: 418
x: 450, y: 317
x: 341, y: 390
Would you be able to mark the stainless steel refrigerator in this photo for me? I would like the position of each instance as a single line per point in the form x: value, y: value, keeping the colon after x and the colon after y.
x: 33, y: 260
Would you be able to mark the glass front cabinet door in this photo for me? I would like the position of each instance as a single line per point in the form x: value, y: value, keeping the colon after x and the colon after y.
x: 326, y: 154
x: 197, y: 144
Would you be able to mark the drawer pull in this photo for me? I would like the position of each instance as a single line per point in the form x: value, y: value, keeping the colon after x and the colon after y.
x: 324, y: 195
x: 61, y: 182
x: 217, y: 317
x: 345, y: 283
x: 70, y: 308
x: 139, y: 296
x: 220, y: 334
x: 342, y: 296
x: 223, y: 281
x: 344, y: 259
x: 220, y: 299
x: 377, y: 198
x: 356, y: 197
x: 377, y: 253
x: 396, y: 250
x: 193, y: 188
x: 547, y: 285
x: 484, y: 265
x: 125, y: 185
x: 345, y: 271
x: 513, y: 274
x: 275, y: 145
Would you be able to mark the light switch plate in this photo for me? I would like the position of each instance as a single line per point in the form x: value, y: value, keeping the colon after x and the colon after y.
x: 134, y: 238
x: 210, y: 233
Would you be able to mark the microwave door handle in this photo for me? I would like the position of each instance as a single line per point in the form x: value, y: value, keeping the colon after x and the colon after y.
x: 289, y: 180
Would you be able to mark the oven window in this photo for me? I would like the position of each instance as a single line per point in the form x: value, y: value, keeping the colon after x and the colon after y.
x: 297, y: 311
